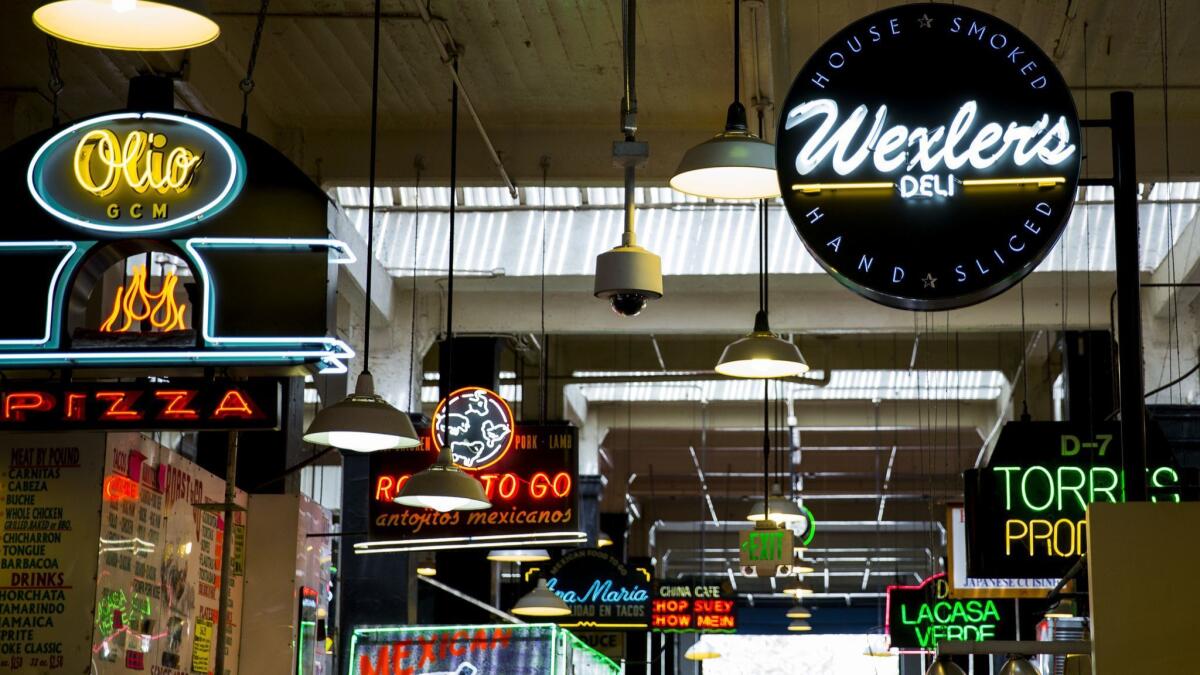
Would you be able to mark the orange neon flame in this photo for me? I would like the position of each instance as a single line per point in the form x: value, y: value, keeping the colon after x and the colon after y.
x: 136, y: 303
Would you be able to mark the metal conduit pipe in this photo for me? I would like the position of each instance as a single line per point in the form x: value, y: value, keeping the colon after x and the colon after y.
x: 448, y: 61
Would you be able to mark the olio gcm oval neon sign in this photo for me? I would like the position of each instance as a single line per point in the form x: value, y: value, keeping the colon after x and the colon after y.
x: 136, y: 173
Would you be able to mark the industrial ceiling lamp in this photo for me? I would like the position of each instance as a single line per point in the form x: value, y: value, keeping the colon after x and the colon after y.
x: 541, y: 601
x: 1064, y: 608
x: 734, y: 164
x: 603, y: 539
x: 443, y: 486
x: 702, y: 650
x: 944, y: 666
x: 364, y: 421
x: 519, y: 555
x: 796, y: 589
x: 427, y: 566
x: 799, y: 611
x: 783, y: 510
x: 1019, y: 665
x: 799, y: 626
x: 130, y: 25
x: 762, y: 353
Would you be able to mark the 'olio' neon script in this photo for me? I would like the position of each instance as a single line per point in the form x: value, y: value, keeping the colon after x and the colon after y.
x: 899, y: 148
x: 140, y: 160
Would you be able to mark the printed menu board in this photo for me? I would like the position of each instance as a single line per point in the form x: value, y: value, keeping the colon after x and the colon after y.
x: 50, y: 488
x: 160, y: 564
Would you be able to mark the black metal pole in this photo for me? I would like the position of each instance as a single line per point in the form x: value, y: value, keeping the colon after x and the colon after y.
x: 231, y: 459
x: 1129, y: 320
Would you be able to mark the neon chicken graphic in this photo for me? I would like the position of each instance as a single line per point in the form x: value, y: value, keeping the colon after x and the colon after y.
x: 136, y: 303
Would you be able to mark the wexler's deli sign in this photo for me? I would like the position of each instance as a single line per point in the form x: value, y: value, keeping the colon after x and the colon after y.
x: 602, y: 591
x: 922, y: 616
x: 1026, y: 512
x: 928, y: 155
x: 529, y: 473
x: 247, y: 230
x: 693, y: 605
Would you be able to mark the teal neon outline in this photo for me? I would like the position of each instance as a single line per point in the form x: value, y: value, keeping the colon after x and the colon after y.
x: 35, y: 176
x: 55, y: 294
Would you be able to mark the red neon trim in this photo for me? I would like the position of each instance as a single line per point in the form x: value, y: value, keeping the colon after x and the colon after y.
x: 71, y: 411
x: 511, y: 481
x: 18, y: 403
x: 236, y: 404
x: 120, y: 489
x: 887, y: 612
x: 177, y: 402
x: 119, y: 407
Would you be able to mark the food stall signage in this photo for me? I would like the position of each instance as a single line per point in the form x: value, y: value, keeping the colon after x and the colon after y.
x: 920, y: 617
x: 693, y: 607
x: 602, y: 591
x: 922, y: 187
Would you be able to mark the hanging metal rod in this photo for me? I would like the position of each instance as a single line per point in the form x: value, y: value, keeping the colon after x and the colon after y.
x: 448, y: 61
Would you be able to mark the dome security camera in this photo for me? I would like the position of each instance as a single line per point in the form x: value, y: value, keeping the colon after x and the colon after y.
x: 627, y: 276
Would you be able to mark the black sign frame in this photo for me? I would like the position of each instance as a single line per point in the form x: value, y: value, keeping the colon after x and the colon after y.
x: 923, y: 66
x: 584, y: 577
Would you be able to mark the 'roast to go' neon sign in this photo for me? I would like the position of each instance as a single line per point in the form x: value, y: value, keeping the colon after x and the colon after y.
x: 1027, y: 511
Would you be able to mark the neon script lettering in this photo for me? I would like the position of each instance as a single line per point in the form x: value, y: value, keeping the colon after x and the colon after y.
x: 898, y: 148
x: 602, y: 591
x: 102, y: 160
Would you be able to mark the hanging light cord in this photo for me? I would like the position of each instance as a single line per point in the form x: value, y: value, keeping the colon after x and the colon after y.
x: 763, y: 287
x: 1024, y: 361
x: 545, y: 374
x: 370, y: 180
x: 766, y: 449
x: 450, y: 254
x: 56, y: 82
x: 247, y: 84
x: 414, y: 385
x: 737, y: 51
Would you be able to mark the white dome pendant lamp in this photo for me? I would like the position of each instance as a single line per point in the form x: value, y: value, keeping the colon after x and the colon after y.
x: 129, y: 25
x: 734, y: 164
x: 444, y: 486
x: 364, y: 421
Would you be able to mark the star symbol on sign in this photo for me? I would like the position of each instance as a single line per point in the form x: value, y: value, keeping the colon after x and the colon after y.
x: 929, y: 280
x: 925, y: 21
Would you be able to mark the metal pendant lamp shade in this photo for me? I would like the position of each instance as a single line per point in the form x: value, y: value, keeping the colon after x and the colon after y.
x: 702, y: 650
x: 520, y: 555
x: 1019, y: 665
x: 362, y: 422
x: 541, y: 601
x: 799, y: 611
x: 443, y: 487
x: 1064, y: 608
x: 797, y: 589
x: 427, y: 566
x: 761, y: 355
x: 799, y: 626
x: 734, y: 164
x: 603, y: 539
x: 782, y: 511
x: 944, y: 666
x: 130, y: 25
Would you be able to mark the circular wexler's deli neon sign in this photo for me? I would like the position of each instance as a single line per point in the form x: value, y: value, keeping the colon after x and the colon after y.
x: 477, y: 424
x: 928, y: 156
x: 129, y: 173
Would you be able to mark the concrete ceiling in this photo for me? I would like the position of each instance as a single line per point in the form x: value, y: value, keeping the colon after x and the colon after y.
x: 546, y: 76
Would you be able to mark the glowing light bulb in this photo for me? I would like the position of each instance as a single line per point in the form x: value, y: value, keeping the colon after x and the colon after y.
x: 123, y: 6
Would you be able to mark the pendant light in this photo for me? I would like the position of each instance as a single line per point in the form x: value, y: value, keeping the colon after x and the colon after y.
x: 427, y: 566
x: 799, y: 611
x: 1064, y: 608
x: 734, y: 164
x: 1018, y: 665
x: 603, y: 539
x: 364, y: 421
x: 944, y: 666
x: 541, y: 601
x: 782, y: 511
x: 797, y: 589
x: 799, y: 626
x: 762, y: 353
x: 702, y: 650
x: 443, y: 486
x: 518, y: 555
x: 129, y: 25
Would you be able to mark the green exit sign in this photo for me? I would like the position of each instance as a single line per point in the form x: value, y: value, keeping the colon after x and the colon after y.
x: 766, y: 546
